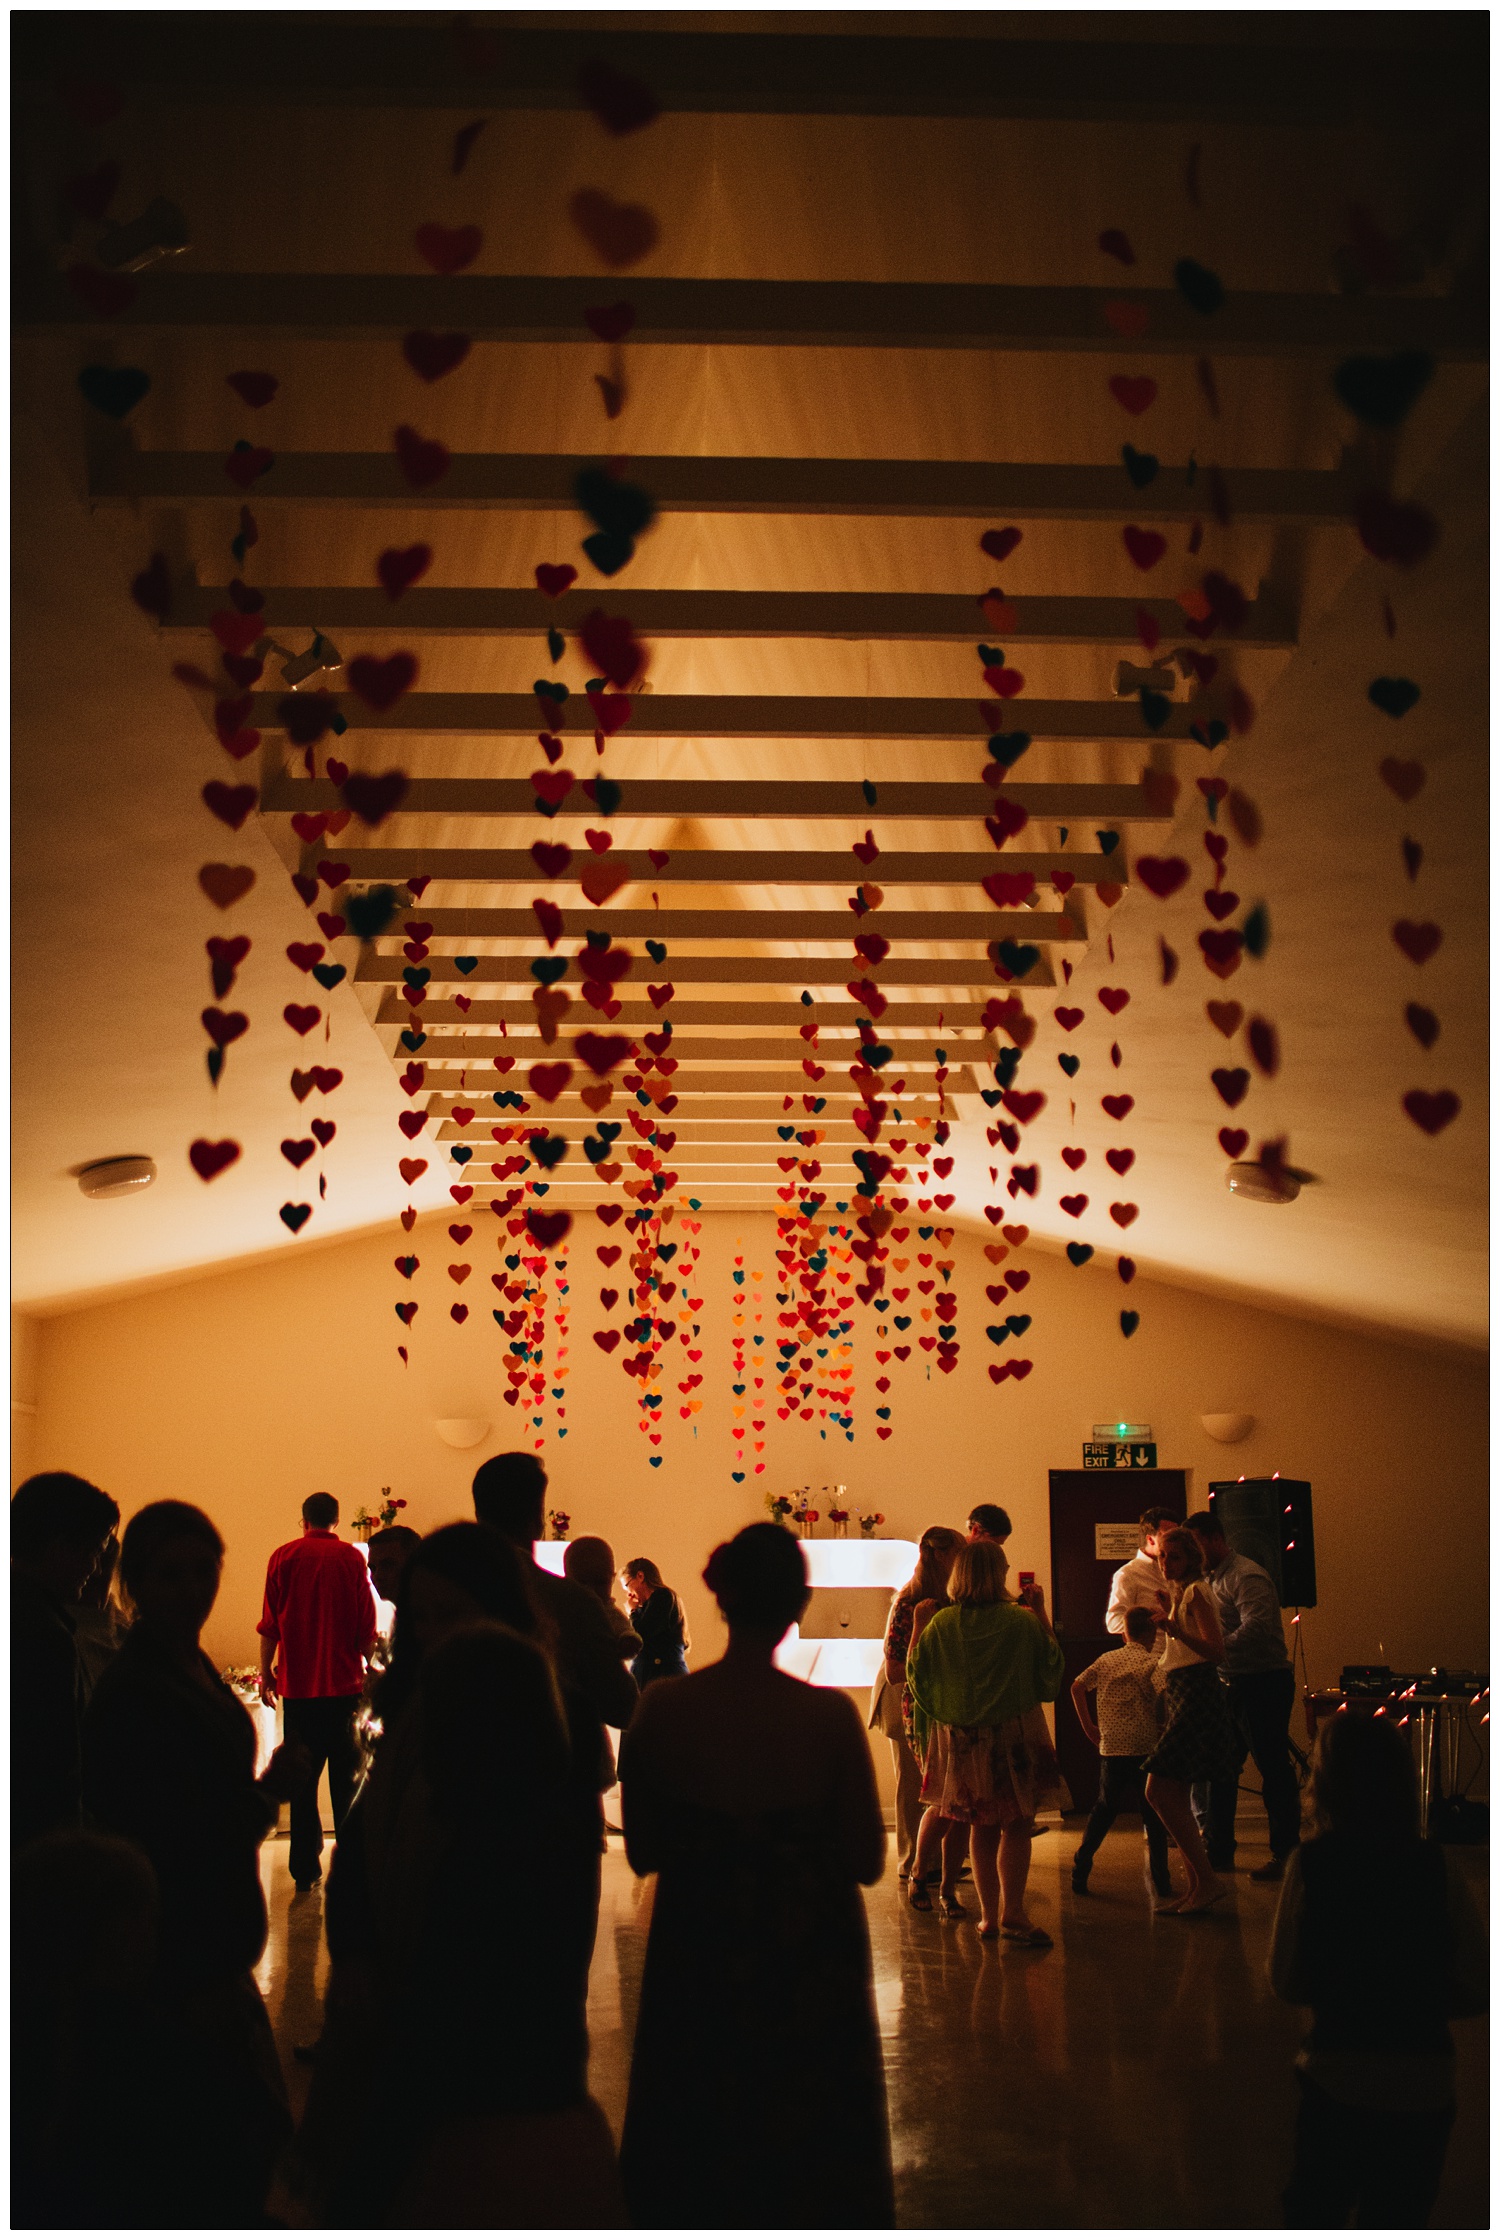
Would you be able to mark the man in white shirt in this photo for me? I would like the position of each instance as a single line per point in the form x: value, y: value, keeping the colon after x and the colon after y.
x: 1139, y: 1584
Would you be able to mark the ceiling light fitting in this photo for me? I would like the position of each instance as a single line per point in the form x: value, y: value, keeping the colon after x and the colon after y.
x: 1264, y: 1184
x: 116, y: 1178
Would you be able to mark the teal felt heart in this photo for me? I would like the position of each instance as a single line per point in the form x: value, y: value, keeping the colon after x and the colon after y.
x: 1080, y: 1254
x: 869, y: 792
x: 991, y: 656
x: 1068, y: 1062
x: 1210, y: 735
x: 653, y: 1459
x: 997, y: 1333
x: 329, y: 975
x: 1379, y: 391
x: 819, y: 1102
x: 786, y: 1135
x: 556, y: 645
x: 696, y: 1204
x: 884, y: 1414
x: 1258, y: 931
x: 513, y: 1261
x: 1007, y: 747
x: 540, y: 1189
x: 547, y: 1150
x: 1108, y: 842
x: 114, y: 390
x: 466, y: 964
x: 1143, y: 467
x: 657, y: 951
x: 882, y: 1306
x: 1018, y: 1324
x: 1394, y: 696
x: 547, y: 688
x: 946, y: 1330
x: 621, y: 509
x: 371, y: 912
x: 505, y: 1099
x: 1018, y: 957
x: 902, y: 1321
x: 666, y: 1252
x: 411, y: 1040
x: 609, y: 554
x: 607, y: 796
x: 416, y: 975
x: 1199, y: 287
x: 878, y: 1055
x: 991, y: 1097
x: 1155, y: 709
x: 548, y: 969
x: 1130, y: 1322
x: 594, y: 1150
x: 462, y: 1152
x: 1006, y: 1066
x: 737, y: 1475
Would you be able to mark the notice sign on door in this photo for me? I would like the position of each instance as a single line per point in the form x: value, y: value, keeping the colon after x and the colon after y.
x: 1119, y: 1454
x: 1116, y: 1543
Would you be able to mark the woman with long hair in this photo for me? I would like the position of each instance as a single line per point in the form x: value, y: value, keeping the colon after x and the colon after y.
x: 1199, y: 1742
x: 169, y: 1762
x: 1377, y: 1933
x: 751, y: 1797
x: 924, y: 1593
x: 658, y: 1617
x: 977, y: 1671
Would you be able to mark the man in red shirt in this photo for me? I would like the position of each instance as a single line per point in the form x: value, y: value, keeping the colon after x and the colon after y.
x: 320, y: 1616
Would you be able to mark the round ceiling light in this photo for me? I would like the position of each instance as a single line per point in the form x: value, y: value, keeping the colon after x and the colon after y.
x: 1266, y: 1185
x: 116, y: 1178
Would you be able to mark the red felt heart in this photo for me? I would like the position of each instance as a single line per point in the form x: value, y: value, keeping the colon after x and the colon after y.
x: 1405, y: 779
x: 380, y: 684
x: 1006, y: 683
x: 613, y: 647
x: 1145, y: 546
x: 225, y: 883
x: 332, y: 924
x: 601, y: 1053
x: 209, y: 1159
x: 551, y: 857
x: 1215, y: 842
x: 301, y: 1017
x: 236, y: 633
x: 244, y: 669
x: 1009, y: 889
x: 333, y: 875
x: 1067, y: 1018
x: 1431, y: 1109
x: 305, y: 954
x: 1123, y: 1215
x: 549, y: 1081
x: 611, y: 712
x: 432, y: 355
x: 1220, y: 902
x: 299, y: 1152
x: 1423, y: 1023
x: 550, y: 745
x: 230, y: 804
x: 551, y: 581
x: 1162, y: 875
x: 1136, y: 392
x: 1225, y: 1016
x: 374, y: 799
x: 400, y: 566
x: 599, y: 842
x: 107, y: 293
x: 1221, y: 950
x: 253, y: 389
x: 1114, y: 1000
x: 461, y: 1270
x: 1023, y: 1104
x: 659, y: 857
x: 1418, y: 942
x: 1117, y: 1107
x: 1121, y: 1161
x: 448, y: 248
x: 1232, y: 1083
x: 1233, y: 1141
x: 1009, y: 819
x: 1127, y: 319
x: 999, y: 544
x: 325, y: 1131
x: 247, y: 466
x: 1073, y: 1159
x: 224, y: 1027
x: 1073, y: 1206
x: 411, y: 1124
x: 326, y: 1079
x: 548, y: 1229
x: 406, y: 1309
x: 619, y: 233
x: 661, y: 996
x: 412, y: 1169
x: 600, y: 879
x: 1391, y: 530
x: 552, y: 786
x: 423, y: 460
x: 611, y: 322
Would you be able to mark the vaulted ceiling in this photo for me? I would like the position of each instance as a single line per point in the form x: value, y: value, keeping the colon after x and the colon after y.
x: 913, y: 284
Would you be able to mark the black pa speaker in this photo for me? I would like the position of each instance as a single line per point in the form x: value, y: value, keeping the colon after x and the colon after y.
x: 1270, y: 1520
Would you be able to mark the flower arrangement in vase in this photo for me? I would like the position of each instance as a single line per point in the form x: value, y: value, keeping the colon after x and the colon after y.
x: 804, y: 1515
x: 385, y: 1516
x: 868, y: 1523
x: 781, y: 1506
x: 559, y: 1522
x: 838, y: 1517
x: 245, y: 1681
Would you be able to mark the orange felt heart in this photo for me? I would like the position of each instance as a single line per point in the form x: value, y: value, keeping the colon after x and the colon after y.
x: 225, y: 883
x: 411, y: 1169
x: 1123, y: 1215
x: 1016, y: 1235
x: 1226, y: 1016
x: 597, y: 1094
x: 997, y: 1253
x: 998, y: 611
x: 602, y: 878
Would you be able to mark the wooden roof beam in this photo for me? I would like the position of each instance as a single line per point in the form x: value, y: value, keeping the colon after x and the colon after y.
x: 722, y: 867
x: 751, y: 924
x: 725, y: 715
x: 891, y: 489
x: 699, y: 798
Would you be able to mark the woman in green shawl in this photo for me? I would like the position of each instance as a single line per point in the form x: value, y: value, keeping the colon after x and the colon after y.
x: 975, y: 1672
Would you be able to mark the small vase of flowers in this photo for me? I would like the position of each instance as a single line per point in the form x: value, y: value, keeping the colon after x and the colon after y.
x: 804, y: 1515
x: 780, y: 1505
x: 559, y: 1523
x: 839, y: 1519
x: 868, y: 1523
x: 364, y: 1524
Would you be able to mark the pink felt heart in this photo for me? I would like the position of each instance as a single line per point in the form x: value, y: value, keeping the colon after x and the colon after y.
x: 1145, y: 546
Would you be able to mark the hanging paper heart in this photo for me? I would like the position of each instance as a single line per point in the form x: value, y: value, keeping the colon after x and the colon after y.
x: 230, y: 804
x: 1073, y: 1206
x: 399, y: 567
x: 619, y: 233
x: 1136, y: 392
x: 1394, y: 696
x: 1418, y: 942
x: 1221, y: 902
x: 1221, y: 950
x: 325, y: 1131
x: 1225, y: 1016
x: 254, y: 389
x: 1232, y: 1083
x: 1114, y: 1000
x: 406, y: 1310
x: 549, y: 1081
x: 247, y: 462
x: 1141, y: 466
x: 1423, y: 1023
x: 600, y: 879
x: 1080, y: 1254
x: 999, y: 544
x: 329, y: 975
x: 1382, y: 391
x: 1123, y: 1214
x: 114, y: 390
x: 380, y: 684
x: 1390, y: 530
x: 552, y: 581
x: 448, y: 249
x: 295, y: 1216
x: 1130, y: 1322
x: 1162, y: 875
x: 423, y: 461
x: 1069, y: 1063
x: 226, y: 883
x: 1121, y: 1161
x: 299, y: 1152
x: 430, y: 356
x: 1118, y: 1107
x: 1431, y: 1110
x: 1145, y: 546
x: 1405, y: 779
x: 210, y: 1159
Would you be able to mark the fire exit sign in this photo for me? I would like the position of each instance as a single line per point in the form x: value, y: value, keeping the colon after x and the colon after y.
x: 1119, y: 1454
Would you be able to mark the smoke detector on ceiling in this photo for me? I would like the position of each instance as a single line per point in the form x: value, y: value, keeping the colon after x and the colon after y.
x: 116, y: 1178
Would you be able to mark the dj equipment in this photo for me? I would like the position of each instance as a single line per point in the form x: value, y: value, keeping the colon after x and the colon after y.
x: 1270, y: 1521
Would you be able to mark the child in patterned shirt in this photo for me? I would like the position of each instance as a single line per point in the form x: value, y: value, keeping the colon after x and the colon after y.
x: 1126, y: 1732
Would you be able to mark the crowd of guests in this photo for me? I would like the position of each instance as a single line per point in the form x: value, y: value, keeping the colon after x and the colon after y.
x: 468, y: 1756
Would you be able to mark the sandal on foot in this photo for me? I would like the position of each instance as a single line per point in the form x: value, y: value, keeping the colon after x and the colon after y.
x: 950, y: 1908
x: 917, y: 1897
x: 1038, y: 1939
x: 989, y: 1931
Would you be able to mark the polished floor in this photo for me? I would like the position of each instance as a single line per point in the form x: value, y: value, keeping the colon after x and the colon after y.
x: 1140, y: 2073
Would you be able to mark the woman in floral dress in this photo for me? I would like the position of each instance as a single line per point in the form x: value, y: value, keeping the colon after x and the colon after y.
x: 891, y: 1710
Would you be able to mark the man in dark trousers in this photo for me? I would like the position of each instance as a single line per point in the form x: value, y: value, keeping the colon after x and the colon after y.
x: 316, y: 1631
x: 1262, y: 1690
x: 510, y: 1496
x: 58, y: 1527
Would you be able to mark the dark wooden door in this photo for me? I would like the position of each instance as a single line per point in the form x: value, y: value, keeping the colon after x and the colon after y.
x: 1094, y: 1514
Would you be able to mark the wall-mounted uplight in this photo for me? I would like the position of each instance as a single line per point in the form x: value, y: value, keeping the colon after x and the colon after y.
x: 116, y: 1178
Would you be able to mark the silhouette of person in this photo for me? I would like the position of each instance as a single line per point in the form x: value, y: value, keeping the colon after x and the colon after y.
x: 752, y: 1798
x: 169, y: 1762
x: 59, y: 1526
x: 659, y: 1621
